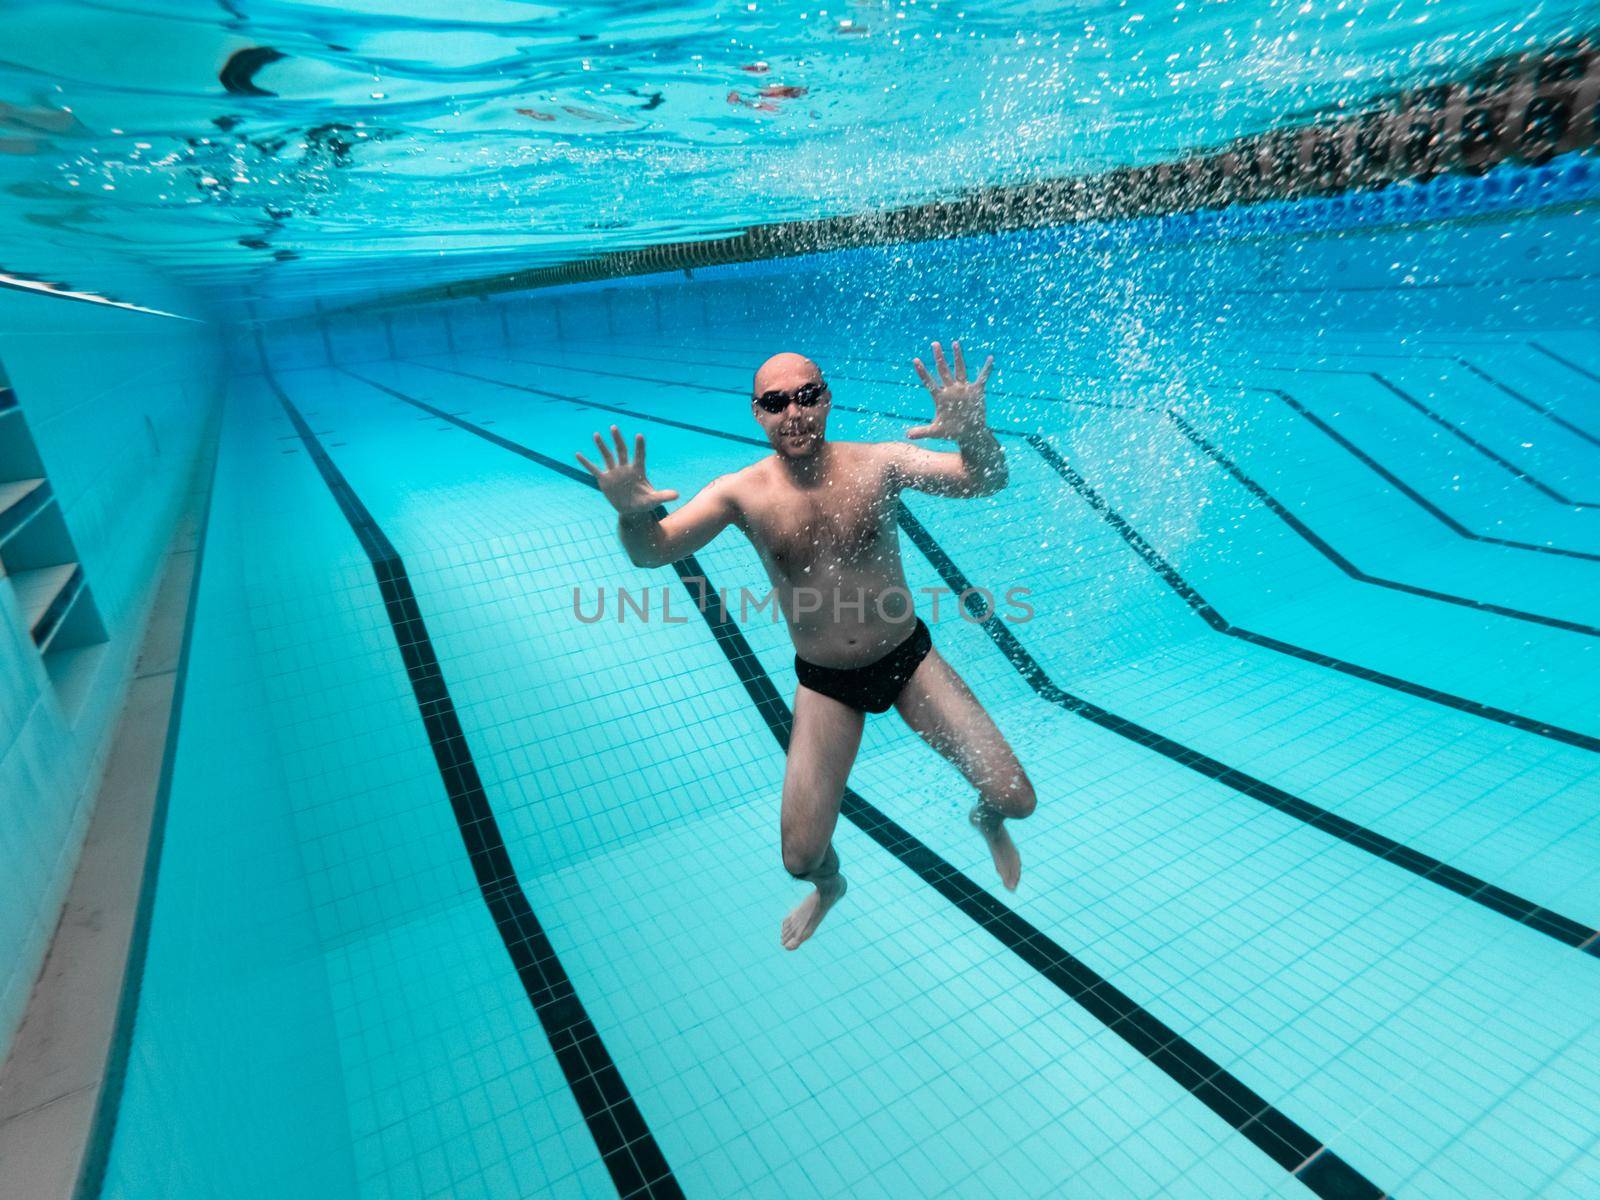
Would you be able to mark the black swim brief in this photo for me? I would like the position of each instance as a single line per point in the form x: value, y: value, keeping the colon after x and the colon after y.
x: 873, y: 687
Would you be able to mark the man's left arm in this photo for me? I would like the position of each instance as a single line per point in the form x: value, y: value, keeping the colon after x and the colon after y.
x: 978, y: 467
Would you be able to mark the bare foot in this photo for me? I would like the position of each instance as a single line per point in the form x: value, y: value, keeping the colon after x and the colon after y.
x: 807, y: 915
x: 1006, y: 859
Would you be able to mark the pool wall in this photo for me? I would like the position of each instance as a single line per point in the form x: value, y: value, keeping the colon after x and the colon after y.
x: 117, y: 404
x: 1380, y: 258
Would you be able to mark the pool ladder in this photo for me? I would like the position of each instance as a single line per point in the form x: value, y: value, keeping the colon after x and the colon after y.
x: 37, y: 556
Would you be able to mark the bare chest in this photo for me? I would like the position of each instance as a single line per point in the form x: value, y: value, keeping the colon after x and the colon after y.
x: 796, y: 529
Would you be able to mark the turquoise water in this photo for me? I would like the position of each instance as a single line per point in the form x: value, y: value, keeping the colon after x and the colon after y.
x: 1308, y: 509
x: 458, y: 895
x: 285, y: 150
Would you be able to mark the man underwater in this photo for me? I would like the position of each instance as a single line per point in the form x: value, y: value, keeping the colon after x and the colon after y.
x: 821, y: 515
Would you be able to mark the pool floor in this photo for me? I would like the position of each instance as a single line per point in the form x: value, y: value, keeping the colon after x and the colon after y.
x: 1308, y: 698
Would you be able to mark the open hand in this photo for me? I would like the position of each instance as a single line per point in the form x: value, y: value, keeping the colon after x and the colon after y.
x: 623, y: 482
x: 957, y: 402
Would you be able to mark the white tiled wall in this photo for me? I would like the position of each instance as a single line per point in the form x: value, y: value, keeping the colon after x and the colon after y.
x: 117, y: 403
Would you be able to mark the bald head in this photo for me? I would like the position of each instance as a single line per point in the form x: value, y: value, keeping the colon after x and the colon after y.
x: 784, y: 372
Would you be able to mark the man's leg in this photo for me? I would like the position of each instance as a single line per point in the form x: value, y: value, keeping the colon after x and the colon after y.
x: 939, y: 705
x: 822, y: 748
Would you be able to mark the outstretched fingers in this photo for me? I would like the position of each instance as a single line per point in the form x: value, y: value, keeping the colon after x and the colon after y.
x: 622, y: 446
x: 939, y: 361
x: 988, y: 365
x: 592, y: 469
x: 960, y: 362
x: 638, y: 452
x: 605, y: 452
x: 927, y: 379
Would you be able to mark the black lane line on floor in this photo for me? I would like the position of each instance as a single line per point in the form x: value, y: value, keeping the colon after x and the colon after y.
x: 1254, y: 362
x: 1283, y: 513
x: 1459, y: 360
x: 1169, y: 574
x: 1528, y: 401
x: 1410, y: 493
x: 1163, y: 570
x: 1315, y: 540
x: 1492, y: 455
x: 1520, y: 474
x: 108, y: 1105
x: 1288, y: 1145
x: 1525, y: 912
x: 626, y: 1145
x: 1564, y: 361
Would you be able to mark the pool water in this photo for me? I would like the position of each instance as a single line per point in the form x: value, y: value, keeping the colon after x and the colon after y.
x: 462, y: 895
x: 296, y: 151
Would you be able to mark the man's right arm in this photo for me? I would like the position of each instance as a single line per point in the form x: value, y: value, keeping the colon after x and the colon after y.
x: 655, y: 543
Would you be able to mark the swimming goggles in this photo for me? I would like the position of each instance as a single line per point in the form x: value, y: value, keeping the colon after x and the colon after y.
x: 806, y: 396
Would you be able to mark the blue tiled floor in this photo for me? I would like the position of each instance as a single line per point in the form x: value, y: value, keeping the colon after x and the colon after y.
x: 1438, y: 1047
